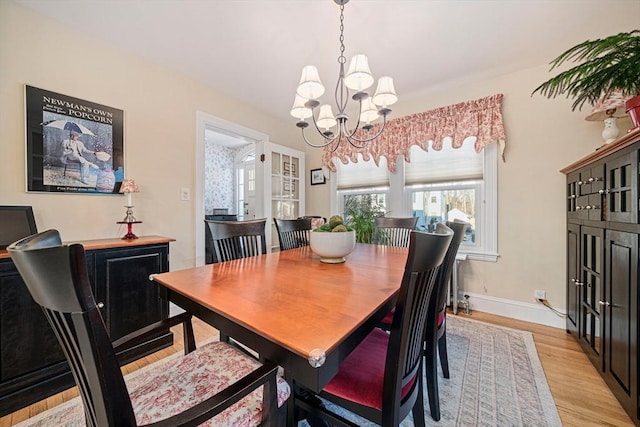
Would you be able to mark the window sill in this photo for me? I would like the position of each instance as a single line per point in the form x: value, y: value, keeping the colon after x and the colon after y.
x: 482, y: 256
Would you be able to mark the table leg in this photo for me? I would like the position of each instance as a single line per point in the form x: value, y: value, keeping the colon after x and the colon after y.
x: 311, y: 398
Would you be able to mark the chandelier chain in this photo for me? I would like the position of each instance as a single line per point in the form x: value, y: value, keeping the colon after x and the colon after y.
x: 341, y: 58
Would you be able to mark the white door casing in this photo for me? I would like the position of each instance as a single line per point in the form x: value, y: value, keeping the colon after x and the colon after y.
x: 206, y: 121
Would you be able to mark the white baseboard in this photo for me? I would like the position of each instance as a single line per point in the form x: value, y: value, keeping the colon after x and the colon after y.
x: 529, y: 312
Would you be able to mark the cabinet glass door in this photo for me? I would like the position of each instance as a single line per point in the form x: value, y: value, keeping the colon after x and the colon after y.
x: 622, y: 189
x: 591, y: 266
x: 574, y: 285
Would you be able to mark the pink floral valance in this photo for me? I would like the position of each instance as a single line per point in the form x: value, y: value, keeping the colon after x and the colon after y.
x: 481, y: 118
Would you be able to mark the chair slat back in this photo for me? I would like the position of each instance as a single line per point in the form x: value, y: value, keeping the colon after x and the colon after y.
x: 57, y: 278
x: 393, y: 231
x: 444, y: 273
x: 293, y: 233
x: 404, y: 354
x: 237, y: 239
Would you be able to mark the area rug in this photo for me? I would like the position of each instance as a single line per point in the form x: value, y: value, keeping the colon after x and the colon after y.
x: 496, y: 380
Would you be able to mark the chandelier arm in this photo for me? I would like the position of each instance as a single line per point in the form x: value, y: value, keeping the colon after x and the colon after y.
x: 340, y: 137
x: 329, y: 141
x: 328, y: 138
x: 350, y: 138
x: 355, y: 129
x: 353, y: 144
x: 365, y: 140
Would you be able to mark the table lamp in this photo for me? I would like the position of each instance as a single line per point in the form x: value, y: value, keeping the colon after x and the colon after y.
x: 128, y: 187
x: 608, y: 108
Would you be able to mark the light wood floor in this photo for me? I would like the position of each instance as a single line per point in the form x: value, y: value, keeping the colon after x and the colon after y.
x: 581, y: 395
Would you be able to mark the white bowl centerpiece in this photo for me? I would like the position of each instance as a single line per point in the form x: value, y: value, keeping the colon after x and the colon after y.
x: 333, y: 241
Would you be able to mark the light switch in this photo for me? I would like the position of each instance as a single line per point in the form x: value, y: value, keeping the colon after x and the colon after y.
x: 185, y: 194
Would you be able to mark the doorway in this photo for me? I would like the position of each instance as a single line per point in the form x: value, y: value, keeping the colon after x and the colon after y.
x: 227, y: 140
x: 277, y: 180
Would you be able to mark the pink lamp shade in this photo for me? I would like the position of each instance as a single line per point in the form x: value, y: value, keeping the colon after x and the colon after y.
x: 129, y: 186
x: 608, y: 106
x: 607, y: 109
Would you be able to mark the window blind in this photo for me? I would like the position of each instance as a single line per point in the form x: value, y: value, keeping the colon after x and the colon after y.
x: 448, y: 164
x: 362, y: 174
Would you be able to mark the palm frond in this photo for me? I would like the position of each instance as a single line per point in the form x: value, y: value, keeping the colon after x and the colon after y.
x: 606, y: 64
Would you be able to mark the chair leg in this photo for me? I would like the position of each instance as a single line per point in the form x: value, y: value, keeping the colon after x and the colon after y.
x: 442, y: 351
x: 189, y: 338
x: 418, y: 408
x: 431, y: 368
x: 270, y: 404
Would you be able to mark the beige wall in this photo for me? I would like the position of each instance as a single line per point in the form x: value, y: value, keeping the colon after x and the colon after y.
x: 160, y: 107
x: 160, y: 129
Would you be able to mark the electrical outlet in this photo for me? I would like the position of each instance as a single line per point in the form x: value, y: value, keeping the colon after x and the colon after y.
x: 185, y: 194
x: 538, y: 294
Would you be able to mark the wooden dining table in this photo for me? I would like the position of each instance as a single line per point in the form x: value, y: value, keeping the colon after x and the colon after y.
x: 292, y: 309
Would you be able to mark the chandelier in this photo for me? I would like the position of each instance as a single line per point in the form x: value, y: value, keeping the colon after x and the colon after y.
x: 358, y: 79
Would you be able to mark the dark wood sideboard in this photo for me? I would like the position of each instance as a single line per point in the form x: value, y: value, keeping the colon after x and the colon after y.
x: 32, y: 364
x: 602, y: 263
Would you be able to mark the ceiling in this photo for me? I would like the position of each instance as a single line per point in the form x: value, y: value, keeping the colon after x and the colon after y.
x: 254, y: 50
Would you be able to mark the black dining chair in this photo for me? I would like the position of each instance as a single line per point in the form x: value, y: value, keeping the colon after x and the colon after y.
x: 381, y: 379
x: 230, y: 240
x: 393, y: 231
x: 316, y: 220
x: 293, y: 233
x: 215, y: 381
x: 435, y: 338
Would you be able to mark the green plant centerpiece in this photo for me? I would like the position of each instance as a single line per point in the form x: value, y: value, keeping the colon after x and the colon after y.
x: 335, y: 225
x: 333, y: 241
x: 606, y: 65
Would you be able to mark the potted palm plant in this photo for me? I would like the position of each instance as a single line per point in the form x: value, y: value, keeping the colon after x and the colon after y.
x: 605, y: 65
x: 360, y: 211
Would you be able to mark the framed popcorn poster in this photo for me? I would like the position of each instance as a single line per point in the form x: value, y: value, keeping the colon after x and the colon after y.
x: 72, y: 145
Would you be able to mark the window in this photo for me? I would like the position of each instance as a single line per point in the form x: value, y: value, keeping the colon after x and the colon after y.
x: 362, y: 174
x: 436, y: 186
x: 362, y: 182
x: 447, y: 202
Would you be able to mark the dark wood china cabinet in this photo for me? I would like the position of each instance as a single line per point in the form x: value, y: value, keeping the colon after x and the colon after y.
x: 602, y: 263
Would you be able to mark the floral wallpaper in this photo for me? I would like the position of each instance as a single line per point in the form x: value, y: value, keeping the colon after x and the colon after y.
x: 218, y: 177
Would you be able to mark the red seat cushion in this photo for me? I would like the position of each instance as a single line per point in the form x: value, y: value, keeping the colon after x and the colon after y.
x: 388, y: 319
x: 441, y: 319
x: 361, y: 375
